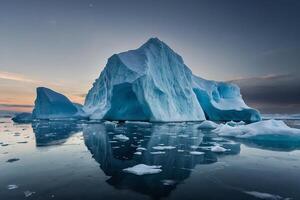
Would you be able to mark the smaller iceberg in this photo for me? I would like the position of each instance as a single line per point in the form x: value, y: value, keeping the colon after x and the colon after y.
x: 53, y: 105
x: 22, y: 118
x: 142, y: 169
x: 263, y: 130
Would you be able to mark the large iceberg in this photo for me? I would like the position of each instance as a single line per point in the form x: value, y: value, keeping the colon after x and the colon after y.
x: 52, y: 105
x: 152, y: 83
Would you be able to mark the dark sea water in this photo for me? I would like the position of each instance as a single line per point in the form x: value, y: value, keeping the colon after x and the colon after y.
x: 80, y: 160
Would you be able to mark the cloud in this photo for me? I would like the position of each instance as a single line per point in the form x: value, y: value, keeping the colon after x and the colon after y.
x: 16, y: 77
x: 272, y: 93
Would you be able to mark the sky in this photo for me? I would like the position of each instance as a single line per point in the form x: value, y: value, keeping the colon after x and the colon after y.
x: 65, y: 44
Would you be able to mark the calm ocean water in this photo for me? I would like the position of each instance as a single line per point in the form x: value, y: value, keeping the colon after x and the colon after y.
x: 80, y: 160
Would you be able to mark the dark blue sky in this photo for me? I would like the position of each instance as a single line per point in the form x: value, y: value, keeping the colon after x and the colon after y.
x: 64, y: 44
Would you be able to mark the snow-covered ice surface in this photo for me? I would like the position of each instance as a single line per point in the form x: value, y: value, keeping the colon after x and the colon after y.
x: 218, y: 149
x: 208, y: 125
x: 152, y: 83
x: 233, y: 123
x: 52, y: 105
x: 142, y: 169
x: 263, y: 130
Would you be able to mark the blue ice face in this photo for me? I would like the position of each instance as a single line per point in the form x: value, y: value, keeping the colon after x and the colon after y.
x: 152, y: 83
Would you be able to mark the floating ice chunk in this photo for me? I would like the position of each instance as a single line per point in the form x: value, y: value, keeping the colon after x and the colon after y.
x: 263, y: 130
x: 196, y: 153
x: 233, y: 123
x: 28, y: 193
x: 142, y: 169
x: 168, y: 182
x: 157, y: 152
x: 109, y: 123
x: 218, y: 149
x: 183, y: 135
x: 137, y: 122
x: 12, y: 187
x: 138, y: 153
x: 121, y: 137
x: 163, y: 148
x: 141, y: 149
x: 266, y: 196
x: 208, y: 125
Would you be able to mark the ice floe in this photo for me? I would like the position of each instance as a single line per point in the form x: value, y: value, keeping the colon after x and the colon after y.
x: 142, y: 169
x: 196, y: 153
x: 259, y: 130
x: 12, y: 187
x: 266, y: 196
x: 121, y: 137
x: 161, y: 148
x: 208, y: 125
x: 218, y: 149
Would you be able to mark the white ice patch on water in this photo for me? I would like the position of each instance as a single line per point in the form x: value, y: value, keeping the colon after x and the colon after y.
x: 157, y: 152
x: 121, y: 137
x: 12, y: 187
x: 28, y: 193
x: 168, y: 182
x: 258, y: 129
x: 141, y: 149
x: 218, y: 149
x: 266, y: 196
x: 161, y: 148
x: 208, y: 125
x: 233, y: 123
x: 196, y: 153
x: 137, y: 122
x: 142, y: 169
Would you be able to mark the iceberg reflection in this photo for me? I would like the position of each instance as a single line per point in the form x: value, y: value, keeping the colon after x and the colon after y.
x: 49, y: 133
x: 166, y: 145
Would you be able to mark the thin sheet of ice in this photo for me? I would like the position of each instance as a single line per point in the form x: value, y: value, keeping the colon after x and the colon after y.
x: 142, y: 169
x: 161, y: 148
x: 157, y: 152
x: 196, y: 153
x: 138, y: 122
x: 266, y: 196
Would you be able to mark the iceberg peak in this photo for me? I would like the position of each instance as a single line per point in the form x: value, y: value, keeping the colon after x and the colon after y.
x: 152, y: 83
x: 51, y: 105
